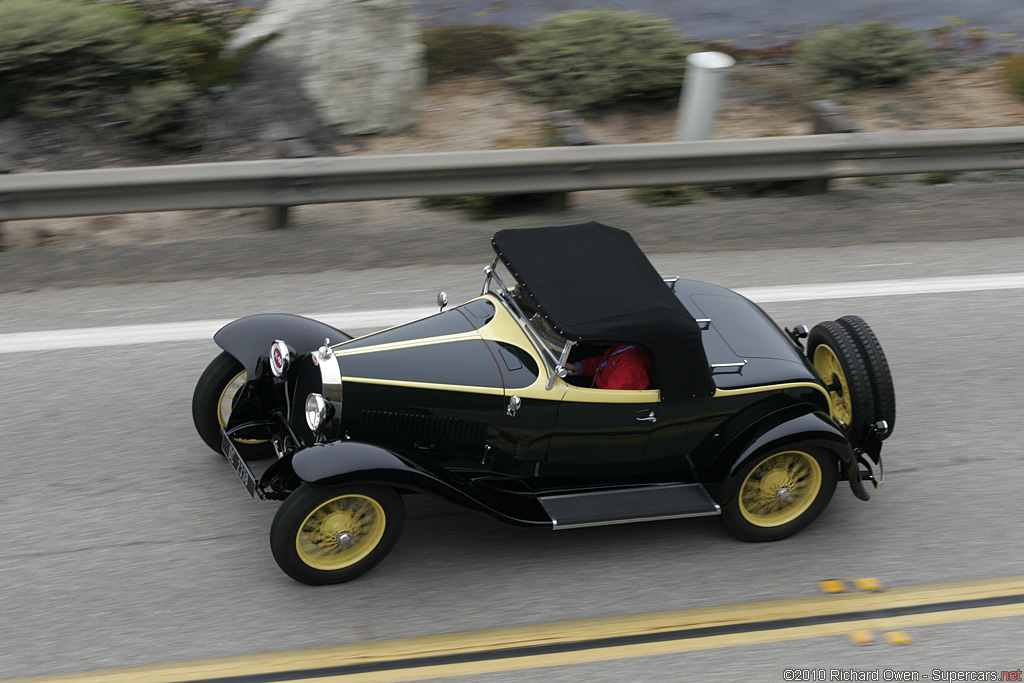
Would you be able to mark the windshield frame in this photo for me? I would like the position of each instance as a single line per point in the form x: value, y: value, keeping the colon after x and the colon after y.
x: 552, y: 347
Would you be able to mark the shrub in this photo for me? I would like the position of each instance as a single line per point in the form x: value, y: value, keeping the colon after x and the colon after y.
x: 452, y: 50
x: 220, y: 17
x: 165, y: 113
x: 185, y: 37
x: 1013, y: 72
x: 486, y: 207
x: 876, y: 181
x: 664, y: 196
x: 756, y: 189
x: 56, y: 53
x: 939, y: 178
x: 870, y: 55
x: 588, y: 60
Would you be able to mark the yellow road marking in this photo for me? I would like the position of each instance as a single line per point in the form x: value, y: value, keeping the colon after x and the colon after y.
x: 757, y: 616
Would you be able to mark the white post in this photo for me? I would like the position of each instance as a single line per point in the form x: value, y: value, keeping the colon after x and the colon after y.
x: 702, y: 88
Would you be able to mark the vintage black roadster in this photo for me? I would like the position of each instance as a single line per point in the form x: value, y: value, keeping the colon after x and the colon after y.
x: 476, y: 405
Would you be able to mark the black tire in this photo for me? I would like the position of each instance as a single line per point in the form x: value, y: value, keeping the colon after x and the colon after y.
x: 883, y: 391
x: 755, y: 508
x: 211, y: 405
x: 839, y: 363
x: 332, y: 534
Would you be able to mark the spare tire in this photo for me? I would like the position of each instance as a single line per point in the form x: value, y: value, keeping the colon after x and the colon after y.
x: 883, y: 392
x: 840, y: 364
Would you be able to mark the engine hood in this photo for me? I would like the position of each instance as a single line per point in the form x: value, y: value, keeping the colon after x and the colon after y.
x: 443, y: 350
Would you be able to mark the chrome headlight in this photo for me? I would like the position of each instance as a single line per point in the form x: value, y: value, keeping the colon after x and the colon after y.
x: 317, y: 411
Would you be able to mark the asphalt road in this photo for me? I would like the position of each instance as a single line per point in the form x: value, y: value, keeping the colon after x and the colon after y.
x: 125, y: 541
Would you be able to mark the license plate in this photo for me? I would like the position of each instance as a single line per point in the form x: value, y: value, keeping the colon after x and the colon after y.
x: 240, y: 467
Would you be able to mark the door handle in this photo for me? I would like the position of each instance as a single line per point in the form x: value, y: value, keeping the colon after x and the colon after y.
x: 650, y: 418
x: 514, y: 404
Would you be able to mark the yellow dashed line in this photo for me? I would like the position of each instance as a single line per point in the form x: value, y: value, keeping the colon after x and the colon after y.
x: 661, y: 632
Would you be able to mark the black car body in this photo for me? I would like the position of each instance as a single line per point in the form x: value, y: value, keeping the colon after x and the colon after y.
x: 473, y: 405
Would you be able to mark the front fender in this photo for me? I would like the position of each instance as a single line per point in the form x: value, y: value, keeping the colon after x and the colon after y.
x: 784, y: 429
x: 353, y: 461
x: 249, y: 338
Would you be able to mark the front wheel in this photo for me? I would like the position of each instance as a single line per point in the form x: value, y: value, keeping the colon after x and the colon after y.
x: 332, y: 534
x: 778, y: 494
x: 214, y: 398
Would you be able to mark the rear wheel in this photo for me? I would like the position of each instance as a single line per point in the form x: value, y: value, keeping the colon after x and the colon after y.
x: 778, y: 494
x: 837, y: 360
x: 332, y: 534
x: 883, y: 392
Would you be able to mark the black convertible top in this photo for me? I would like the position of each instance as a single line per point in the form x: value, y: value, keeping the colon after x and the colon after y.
x: 592, y: 283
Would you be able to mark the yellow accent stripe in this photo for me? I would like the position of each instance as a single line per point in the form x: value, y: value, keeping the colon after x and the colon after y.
x: 770, y: 387
x: 384, y: 652
x: 494, y: 391
x: 776, y: 387
x: 408, y: 343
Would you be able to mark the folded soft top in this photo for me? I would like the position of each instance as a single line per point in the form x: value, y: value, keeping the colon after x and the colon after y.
x: 592, y: 282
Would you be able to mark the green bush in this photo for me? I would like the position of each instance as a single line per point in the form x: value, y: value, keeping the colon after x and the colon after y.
x: 589, y: 60
x: 453, y: 50
x: 755, y: 189
x: 939, y: 178
x: 664, y: 196
x: 56, y: 53
x: 1013, y: 72
x: 870, y: 55
x: 164, y: 113
x: 220, y: 17
x: 59, y: 56
x: 486, y: 207
x: 876, y: 181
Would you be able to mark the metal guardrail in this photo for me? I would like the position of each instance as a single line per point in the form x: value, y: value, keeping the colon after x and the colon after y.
x: 318, y: 180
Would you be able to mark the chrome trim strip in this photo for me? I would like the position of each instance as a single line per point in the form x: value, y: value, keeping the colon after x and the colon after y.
x: 330, y: 379
x: 717, y: 511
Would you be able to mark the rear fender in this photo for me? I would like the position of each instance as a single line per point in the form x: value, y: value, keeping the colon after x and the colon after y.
x: 247, y: 339
x: 352, y: 461
x: 782, y: 430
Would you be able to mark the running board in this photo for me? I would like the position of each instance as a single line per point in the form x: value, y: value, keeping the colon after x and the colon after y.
x: 623, y: 506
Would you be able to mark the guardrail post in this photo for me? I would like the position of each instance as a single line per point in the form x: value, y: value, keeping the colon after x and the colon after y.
x: 568, y: 129
x: 828, y: 117
x: 5, y: 167
x: 286, y: 145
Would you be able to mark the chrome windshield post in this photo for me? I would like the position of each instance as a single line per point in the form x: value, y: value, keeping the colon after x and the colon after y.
x: 559, y: 370
x: 490, y: 272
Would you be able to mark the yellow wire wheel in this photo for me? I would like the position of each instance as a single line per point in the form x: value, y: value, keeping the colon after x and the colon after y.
x: 776, y: 494
x: 326, y: 534
x: 227, y: 401
x: 840, y: 364
x: 780, y: 489
x: 830, y: 369
x: 213, y: 400
x: 340, y: 532
x: 227, y: 397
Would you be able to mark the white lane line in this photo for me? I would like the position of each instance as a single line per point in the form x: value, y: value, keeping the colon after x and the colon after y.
x: 872, y: 288
x: 54, y: 340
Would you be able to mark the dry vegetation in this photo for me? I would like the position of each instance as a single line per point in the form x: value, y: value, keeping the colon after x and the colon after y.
x: 481, y: 112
